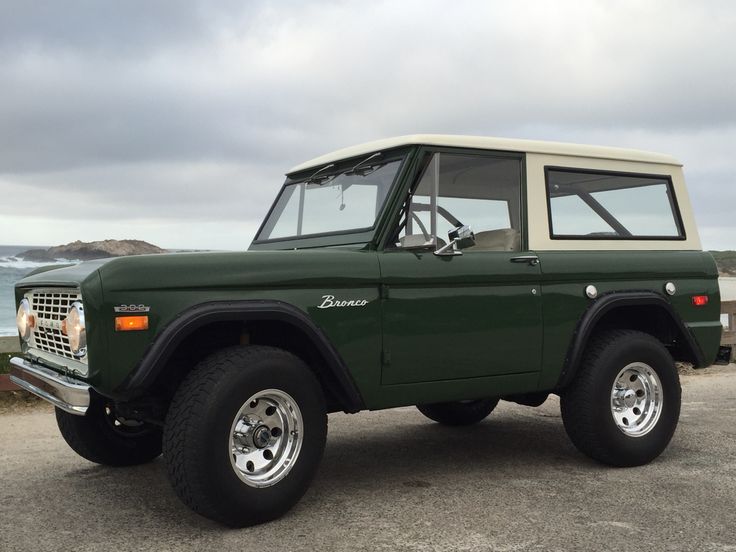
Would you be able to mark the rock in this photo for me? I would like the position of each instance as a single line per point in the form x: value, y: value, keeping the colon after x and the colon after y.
x: 35, y: 255
x: 86, y: 251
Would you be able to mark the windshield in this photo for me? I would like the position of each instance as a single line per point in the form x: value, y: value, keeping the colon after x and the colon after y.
x: 328, y: 202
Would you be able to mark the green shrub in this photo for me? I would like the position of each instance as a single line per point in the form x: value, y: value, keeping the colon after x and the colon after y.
x: 5, y: 362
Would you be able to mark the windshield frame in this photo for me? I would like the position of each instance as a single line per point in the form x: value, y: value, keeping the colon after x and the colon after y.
x: 349, y: 236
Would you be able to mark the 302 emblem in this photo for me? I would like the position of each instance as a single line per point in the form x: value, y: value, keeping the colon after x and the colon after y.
x: 132, y: 308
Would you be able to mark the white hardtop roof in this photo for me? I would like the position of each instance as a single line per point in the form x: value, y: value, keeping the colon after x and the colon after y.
x: 486, y: 143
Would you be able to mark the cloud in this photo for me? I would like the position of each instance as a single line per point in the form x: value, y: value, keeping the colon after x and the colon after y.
x: 183, y: 114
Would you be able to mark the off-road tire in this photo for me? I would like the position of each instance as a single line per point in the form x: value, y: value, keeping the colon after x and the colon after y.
x: 459, y: 413
x: 586, y: 403
x: 198, y: 426
x: 99, y: 437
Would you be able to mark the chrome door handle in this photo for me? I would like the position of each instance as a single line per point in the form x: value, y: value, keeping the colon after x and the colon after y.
x: 531, y: 260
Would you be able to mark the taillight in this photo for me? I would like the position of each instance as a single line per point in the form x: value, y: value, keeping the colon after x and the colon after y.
x: 700, y: 300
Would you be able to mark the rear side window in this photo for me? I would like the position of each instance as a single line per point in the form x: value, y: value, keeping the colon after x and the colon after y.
x: 587, y: 204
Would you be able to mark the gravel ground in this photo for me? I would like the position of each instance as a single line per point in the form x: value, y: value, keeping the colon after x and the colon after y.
x: 392, y: 481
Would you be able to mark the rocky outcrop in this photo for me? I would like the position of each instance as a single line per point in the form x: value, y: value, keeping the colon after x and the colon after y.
x: 86, y: 251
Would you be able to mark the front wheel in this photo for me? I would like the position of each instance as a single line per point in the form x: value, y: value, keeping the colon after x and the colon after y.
x: 245, y: 434
x: 624, y: 405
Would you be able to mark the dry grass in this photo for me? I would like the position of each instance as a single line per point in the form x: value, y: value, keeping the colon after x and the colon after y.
x: 726, y: 261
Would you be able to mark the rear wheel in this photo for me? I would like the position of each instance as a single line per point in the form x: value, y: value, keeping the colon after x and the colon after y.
x: 624, y: 405
x: 102, y: 437
x: 245, y: 434
x: 459, y: 413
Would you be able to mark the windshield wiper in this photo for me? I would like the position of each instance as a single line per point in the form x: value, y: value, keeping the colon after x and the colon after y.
x: 367, y: 170
x: 320, y: 180
x: 314, y: 179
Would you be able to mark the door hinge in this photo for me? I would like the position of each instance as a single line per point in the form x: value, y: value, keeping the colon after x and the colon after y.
x: 383, y: 291
x: 385, y: 358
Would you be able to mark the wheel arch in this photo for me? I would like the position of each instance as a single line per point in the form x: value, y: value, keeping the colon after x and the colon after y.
x: 645, y: 311
x: 206, y: 327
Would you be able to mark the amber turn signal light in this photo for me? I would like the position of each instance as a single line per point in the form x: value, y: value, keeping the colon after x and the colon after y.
x: 131, y: 323
x: 700, y: 300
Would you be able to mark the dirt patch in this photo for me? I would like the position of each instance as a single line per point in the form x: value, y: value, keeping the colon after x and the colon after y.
x: 18, y: 402
x: 714, y: 370
x: 686, y: 369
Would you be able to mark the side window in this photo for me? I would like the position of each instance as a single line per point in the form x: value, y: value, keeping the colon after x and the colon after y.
x: 476, y: 190
x: 602, y: 205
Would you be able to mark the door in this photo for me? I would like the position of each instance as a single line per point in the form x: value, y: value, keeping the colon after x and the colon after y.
x: 466, y: 315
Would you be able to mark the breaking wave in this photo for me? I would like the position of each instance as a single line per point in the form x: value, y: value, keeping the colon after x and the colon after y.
x: 20, y: 264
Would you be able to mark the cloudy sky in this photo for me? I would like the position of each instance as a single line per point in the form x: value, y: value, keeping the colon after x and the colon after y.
x: 174, y: 122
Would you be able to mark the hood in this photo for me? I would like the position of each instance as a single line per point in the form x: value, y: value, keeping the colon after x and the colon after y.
x: 238, y: 270
x: 71, y: 275
x: 248, y: 269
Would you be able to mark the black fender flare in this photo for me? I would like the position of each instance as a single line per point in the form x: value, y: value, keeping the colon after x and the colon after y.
x: 608, y: 302
x: 202, y: 314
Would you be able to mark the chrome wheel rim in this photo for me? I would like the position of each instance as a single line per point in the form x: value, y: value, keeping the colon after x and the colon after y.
x: 265, y: 438
x: 636, y: 399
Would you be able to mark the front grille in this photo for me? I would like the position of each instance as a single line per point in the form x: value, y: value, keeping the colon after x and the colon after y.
x: 50, y: 307
x: 53, y: 304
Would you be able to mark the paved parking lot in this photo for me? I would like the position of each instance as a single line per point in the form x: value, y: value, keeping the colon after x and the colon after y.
x: 394, y: 481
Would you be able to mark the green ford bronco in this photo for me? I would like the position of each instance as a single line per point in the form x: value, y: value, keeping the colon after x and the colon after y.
x: 445, y: 272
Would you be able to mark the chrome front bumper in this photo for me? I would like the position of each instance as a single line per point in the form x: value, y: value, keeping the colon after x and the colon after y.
x: 63, y: 392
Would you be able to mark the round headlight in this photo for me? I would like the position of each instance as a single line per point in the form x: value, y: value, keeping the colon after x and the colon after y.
x: 25, y: 320
x: 75, y: 330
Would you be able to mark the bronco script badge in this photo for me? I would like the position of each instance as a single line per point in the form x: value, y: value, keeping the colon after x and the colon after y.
x: 329, y: 301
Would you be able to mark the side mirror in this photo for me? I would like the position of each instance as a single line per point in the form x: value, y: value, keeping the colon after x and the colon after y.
x: 460, y: 238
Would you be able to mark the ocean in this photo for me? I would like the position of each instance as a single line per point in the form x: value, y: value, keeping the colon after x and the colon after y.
x: 11, y: 270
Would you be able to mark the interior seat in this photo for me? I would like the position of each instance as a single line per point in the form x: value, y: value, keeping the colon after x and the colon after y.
x: 503, y: 239
x: 418, y: 240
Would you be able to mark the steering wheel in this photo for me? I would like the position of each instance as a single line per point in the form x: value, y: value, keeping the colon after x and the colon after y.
x: 419, y: 222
